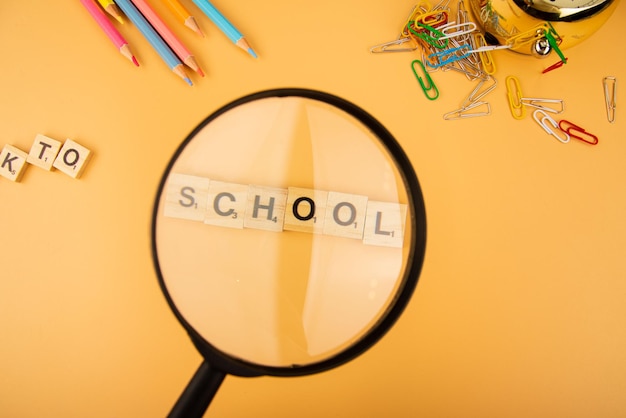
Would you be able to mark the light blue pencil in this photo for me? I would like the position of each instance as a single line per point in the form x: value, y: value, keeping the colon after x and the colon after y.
x: 225, y: 26
x: 164, y: 51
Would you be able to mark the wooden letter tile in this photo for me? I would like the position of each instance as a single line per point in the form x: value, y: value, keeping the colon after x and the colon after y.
x: 12, y: 162
x: 186, y: 197
x: 384, y: 224
x: 72, y: 159
x: 345, y: 215
x: 306, y: 210
x: 226, y: 205
x: 265, y: 208
x: 43, y: 152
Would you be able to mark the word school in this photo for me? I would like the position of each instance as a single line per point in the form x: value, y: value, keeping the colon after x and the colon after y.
x: 241, y: 206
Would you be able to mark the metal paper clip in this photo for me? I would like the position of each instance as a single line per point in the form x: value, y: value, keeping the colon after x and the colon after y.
x: 540, y: 104
x: 574, y: 130
x: 462, y: 16
x: 477, y: 93
x: 610, y: 96
x: 542, y: 118
x: 514, y: 94
x: 468, y: 111
x: 397, y: 45
x: 431, y: 84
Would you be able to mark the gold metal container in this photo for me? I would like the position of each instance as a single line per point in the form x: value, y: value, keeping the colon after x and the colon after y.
x: 539, y: 27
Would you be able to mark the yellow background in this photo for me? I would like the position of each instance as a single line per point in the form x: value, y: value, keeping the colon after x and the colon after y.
x: 520, y: 310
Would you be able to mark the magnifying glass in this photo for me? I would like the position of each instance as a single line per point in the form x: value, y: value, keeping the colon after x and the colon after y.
x: 288, y: 235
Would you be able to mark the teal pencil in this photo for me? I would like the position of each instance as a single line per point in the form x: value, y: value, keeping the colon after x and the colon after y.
x: 225, y: 26
x: 164, y: 51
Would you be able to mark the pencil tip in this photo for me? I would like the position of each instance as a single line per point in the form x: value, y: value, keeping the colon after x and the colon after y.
x: 251, y: 52
x: 135, y: 61
x: 188, y: 81
x: 200, y: 71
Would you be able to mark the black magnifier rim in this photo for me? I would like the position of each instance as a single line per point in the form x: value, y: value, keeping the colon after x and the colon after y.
x: 231, y: 365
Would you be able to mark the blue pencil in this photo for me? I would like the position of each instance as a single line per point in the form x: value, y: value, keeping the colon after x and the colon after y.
x: 164, y: 51
x: 225, y: 26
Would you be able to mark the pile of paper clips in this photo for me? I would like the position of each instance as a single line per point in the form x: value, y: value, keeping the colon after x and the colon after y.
x: 562, y: 130
x: 450, y: 41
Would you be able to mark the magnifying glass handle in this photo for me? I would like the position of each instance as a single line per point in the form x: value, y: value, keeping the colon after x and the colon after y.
x: 197, y: 396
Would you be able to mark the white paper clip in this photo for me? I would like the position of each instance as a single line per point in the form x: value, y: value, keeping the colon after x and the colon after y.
x: 542, y: 118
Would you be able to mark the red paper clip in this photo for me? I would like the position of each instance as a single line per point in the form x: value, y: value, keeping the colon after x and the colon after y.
x: 559, y: 64
x: 572, y: 130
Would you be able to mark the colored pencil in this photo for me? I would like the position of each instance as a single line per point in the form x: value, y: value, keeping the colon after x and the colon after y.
x: 153, y: 38
x: 110, y: 7
x: 167, y: 35
x: 183, y: 15
x: 225, y: 26
x: 109, y: 29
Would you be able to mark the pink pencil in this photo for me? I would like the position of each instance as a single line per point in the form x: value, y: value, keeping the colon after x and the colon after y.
x: 168, y: 36
x: 109, y: 29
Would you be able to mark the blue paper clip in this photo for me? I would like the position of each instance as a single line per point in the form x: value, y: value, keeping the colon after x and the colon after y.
x: 431, y: 84
x: 448, y: 56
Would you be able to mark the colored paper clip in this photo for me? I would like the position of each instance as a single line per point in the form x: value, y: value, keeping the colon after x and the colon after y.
x: 554, y: 39
x: 542, y: 118
x: 460, y: 29
x: 574, y: 130
x: 468, y: 111
x: 558, y: 64
x: 398, y: 45
x: 538, y: 103
x: 486, y: 60
x: 610, y: 96
x: 433, y: 18
x: 430, y: 35
x: 431, y: 84
x: 514, y: 94
x: 523, y: 38
x: 448, y: 56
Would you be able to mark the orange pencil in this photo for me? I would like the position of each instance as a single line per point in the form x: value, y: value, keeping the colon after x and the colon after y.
x: 183, y: 15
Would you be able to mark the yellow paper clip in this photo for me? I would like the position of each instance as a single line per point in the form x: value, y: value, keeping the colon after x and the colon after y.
x: 486, y: 59
x: 523, y: 38
x: 514, y: 94
x: 416, y: 11
x: 431, y: 84
x: 610, y: 96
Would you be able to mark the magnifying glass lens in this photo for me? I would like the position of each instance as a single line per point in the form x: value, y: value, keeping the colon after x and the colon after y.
x: 285, y: 231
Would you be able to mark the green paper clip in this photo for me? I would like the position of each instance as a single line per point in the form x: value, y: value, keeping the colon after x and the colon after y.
x: 431, y: 36
x: 431, y: 84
